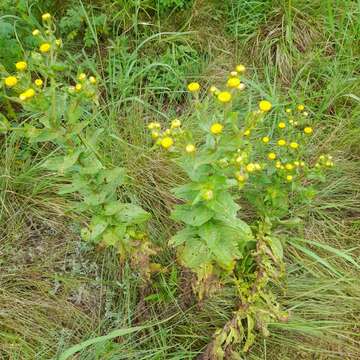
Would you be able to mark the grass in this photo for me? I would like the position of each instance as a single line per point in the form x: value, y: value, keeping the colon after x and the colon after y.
x: 56, y: 291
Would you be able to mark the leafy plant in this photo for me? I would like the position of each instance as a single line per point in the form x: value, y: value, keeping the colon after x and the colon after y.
x: 234, y: 153
x: 60, y: 116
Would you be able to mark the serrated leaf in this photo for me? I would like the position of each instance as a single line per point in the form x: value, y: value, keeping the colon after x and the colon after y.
x: 192, y: 215
x: 182, y: 236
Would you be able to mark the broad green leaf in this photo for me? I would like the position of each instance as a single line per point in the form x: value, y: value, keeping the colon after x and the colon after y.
x: 132, y: 214
x: 182, y: 236
x: 195, y: 253
x: 222, y: 241
x: 192, y: 215
x: 97, y: 226
x: 224, y: 206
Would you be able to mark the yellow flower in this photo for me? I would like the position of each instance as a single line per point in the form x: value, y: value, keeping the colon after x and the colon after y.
x: 28, y: 94
x: 208, y: 195
x: 233, y: 82
x: 281, y: 142
x: 44, y: 48
x: 167, y: 132
x: 289, y: 166
x: 190, y: 148
x: 38, y: 82
x: 250, y: 167
x: 78, y: 87
x: 58, y: 42
x: 308, y: 130
x: 21, y: 65
x: 82, y: 77
x: 154, y: 134
x: 301, y: 107
x: 265, y: 105
x: 36, y: 32
x: 288, y: 111
x: 224, y: 96
x: 176, y: 123
x: 240, y: 177
x: 257, y: 166
x: 282, y: 125
x: 294, y: 145
x: 154, y: 125
x: 247, y: 132
x: 193, y: 87
x: 10, y: 81
x: 240, y: 68
x: 167, y: 142
x: 305, y: 113
x: 289, y: 178
x: 92, y: 80
x: 278, y: 164
x: 302, y: 163
x: 241, y: 86
x: 216, y: 128
x: 46, y: 17
x: 271, y: 156
x: 265, y: 139
x: 234, y: 73
x: 214, y: 89
x: 296, y: 163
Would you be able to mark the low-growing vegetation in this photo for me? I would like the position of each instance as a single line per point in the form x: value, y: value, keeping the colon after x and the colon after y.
x: 179, y: 180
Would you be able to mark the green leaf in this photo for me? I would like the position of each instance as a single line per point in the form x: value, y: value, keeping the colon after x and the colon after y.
x: 182, y: 236
x: 224, y: 206
x: 222, y: 242
x: 276, y: 247
x: 195, y: 253
x: 97, y: 226
x: 132, y: 214
x: 83, y: 345
x: 192, y: 215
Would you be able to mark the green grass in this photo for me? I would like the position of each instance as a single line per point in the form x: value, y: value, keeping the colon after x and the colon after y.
x: 56, y: 291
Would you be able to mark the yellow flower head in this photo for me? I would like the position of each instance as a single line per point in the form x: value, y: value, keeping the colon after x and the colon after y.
x: 305, y: 113
x: 216, y: 128
x: 82, y: 77
x: 308, y: 130
x: 250, y: 167
x: 46, y: 17
x: 36, y: 32
x: 167, y: 142
x: 44, y: 48
x: 234, y: 73
x: 282, y: 125
x: 21, y: 65
x: 247, y: 132
x: 278, y: 164
x: 176, y: 123
x: 301, y: 107
x: 265, y: 139
x: 289, y: 178
x: 241, y: 86
x: 155, y: 134
x: 288, y: 110
x: 78, y: 87
x: 224, y: 96
x: 294, y: 145
x: 302, y: 163
x: 28, y: 94
x: 193, y: 87
x: 281, y: 142
x: 190, y: 148
x: 271, y: 156
x: 257, y: 166
x: 214, y: 89
x: 241, y: 68
x: 233, y: 82
x: 58, y: 42
x: 296, y: 163
x: 289, y: 166
x: 92, y: 80
x: 154, y: 125
x: 38, y: 82
x: 208, y: 195
x: 265, y: 105
x: 240, y: 177
x: 10, y: 81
